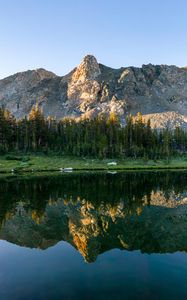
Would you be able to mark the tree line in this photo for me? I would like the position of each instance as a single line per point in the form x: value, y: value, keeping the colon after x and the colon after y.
x: 102, y: 137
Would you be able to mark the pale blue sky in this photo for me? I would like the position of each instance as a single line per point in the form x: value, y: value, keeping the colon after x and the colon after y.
x: 57, y: 34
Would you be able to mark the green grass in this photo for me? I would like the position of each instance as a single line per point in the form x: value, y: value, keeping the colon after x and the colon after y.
x: 42, y: 163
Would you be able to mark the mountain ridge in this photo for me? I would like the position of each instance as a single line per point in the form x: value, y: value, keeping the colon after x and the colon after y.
x: 93, y: 89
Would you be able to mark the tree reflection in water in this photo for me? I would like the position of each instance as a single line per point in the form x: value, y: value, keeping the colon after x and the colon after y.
x: 97, y: 212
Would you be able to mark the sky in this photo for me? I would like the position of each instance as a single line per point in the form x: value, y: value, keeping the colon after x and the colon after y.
x: 57, y: 34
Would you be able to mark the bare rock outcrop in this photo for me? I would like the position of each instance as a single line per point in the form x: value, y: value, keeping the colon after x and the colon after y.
x: 159, y: 92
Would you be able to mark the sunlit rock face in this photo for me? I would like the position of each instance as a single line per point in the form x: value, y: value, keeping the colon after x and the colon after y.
x: 83, y: 87
x: 91, y: 89
x: 87, y: 70
x: 142, y: 212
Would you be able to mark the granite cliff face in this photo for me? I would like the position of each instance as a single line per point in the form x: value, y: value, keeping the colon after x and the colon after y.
x: 159, y: 92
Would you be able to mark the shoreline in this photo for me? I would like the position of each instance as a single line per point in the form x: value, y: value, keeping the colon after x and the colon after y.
x: 40, y: 164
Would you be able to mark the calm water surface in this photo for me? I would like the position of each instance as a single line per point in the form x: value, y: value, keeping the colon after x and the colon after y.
x: 94, y: 236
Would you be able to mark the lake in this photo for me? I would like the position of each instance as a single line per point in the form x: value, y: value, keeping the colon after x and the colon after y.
x: 94, y: 236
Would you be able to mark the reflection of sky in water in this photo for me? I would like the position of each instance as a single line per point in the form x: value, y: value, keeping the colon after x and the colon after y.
x: 60, y: 273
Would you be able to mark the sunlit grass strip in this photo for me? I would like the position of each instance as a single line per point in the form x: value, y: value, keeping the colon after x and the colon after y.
x: 41, y: 163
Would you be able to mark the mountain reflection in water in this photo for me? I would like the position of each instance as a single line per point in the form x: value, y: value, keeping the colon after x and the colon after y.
x: 97, y: 212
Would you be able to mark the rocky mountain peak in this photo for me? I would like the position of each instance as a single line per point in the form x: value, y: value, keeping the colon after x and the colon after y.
x: 88, y: 69
x: 91, y: 89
